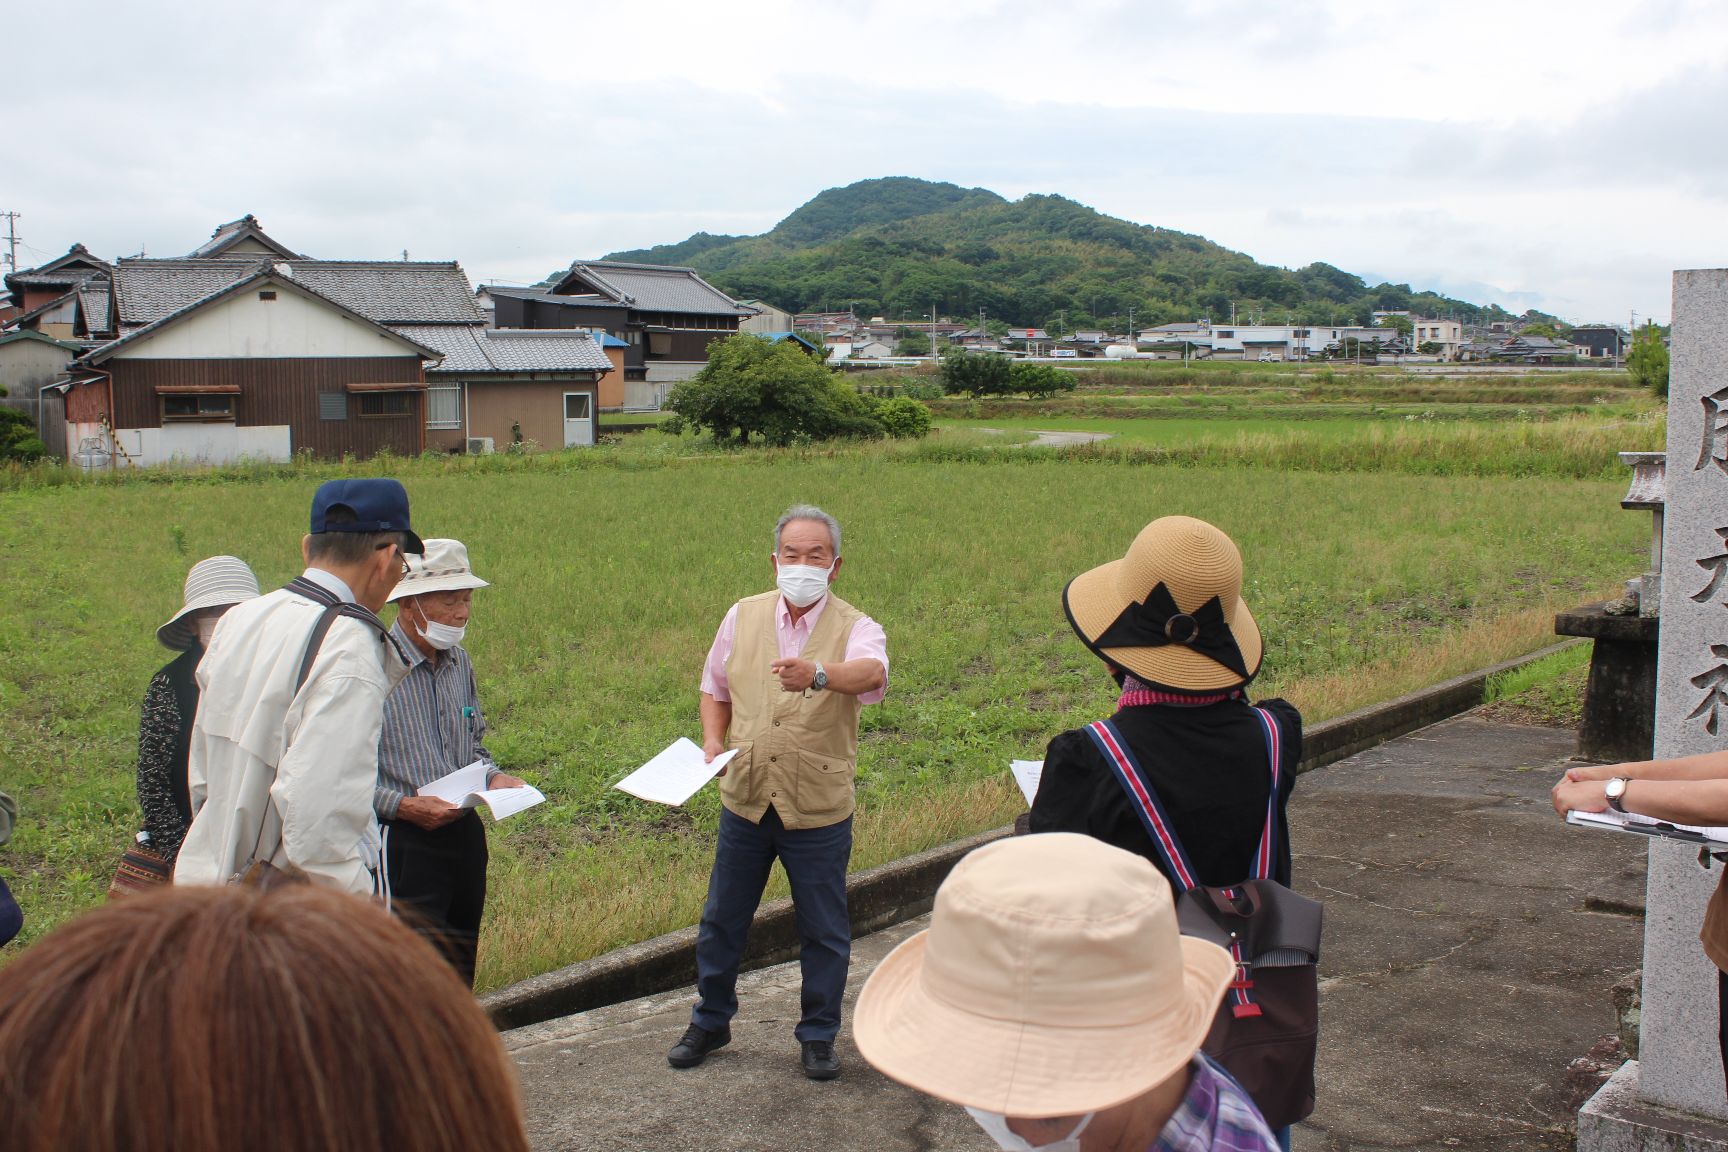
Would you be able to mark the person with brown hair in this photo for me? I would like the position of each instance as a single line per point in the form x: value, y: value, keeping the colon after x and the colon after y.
x: 207, y: 1019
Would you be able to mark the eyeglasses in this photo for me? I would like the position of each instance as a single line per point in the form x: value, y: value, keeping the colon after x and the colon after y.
x: 403, y: 555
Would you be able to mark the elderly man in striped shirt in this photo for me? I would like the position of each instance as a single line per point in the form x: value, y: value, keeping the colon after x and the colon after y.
x: 434, y: 852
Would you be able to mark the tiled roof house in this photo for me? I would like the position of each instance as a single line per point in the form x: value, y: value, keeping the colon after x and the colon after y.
x: 247, y: 350
x: 667, y: 316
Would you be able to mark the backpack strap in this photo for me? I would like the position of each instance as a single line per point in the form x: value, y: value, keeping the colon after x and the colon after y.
x: 1151, y: 812
x: 334, y: 606
x: 1145, y: 802
x: 1266, y: 856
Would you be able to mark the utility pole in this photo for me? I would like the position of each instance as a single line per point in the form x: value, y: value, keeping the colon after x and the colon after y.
x: 1131, y: 340
x: 11, y: 240
x: 932, y: 330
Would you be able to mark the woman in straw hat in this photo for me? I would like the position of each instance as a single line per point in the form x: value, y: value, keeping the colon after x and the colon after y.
x: 1053, y: 997
x: 165, y: 725
x: 1169, y: 623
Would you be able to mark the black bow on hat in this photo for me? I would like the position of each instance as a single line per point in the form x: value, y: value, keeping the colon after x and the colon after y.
x: 1158, y: 621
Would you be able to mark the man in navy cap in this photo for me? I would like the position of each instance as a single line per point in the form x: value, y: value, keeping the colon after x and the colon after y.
x: 284, y: 751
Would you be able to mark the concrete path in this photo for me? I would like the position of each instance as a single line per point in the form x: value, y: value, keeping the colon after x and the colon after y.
x: 1464, y: 969
x: 1066, y: 439
x: 1056, y: 439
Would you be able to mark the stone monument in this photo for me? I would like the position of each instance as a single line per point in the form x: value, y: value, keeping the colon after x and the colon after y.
x: 1673, y: 1096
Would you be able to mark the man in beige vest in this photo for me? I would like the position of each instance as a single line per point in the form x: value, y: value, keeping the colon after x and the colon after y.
x: 784, y: 683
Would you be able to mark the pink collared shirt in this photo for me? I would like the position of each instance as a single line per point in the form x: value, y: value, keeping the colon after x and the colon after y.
x: 867, y: 640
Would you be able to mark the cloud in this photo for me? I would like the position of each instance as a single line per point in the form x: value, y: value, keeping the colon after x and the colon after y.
x: 516, y: 140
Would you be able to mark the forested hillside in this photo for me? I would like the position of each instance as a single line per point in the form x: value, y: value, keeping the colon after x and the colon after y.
x: 899, y: 246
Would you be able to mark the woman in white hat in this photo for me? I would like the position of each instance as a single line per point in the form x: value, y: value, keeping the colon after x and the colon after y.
x: 1169, y: 623
x: 165, y: 724
x: 1053, y: 997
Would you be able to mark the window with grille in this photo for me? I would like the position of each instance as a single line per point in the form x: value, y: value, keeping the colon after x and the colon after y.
x: 444, y: 406
x: 332, y: 405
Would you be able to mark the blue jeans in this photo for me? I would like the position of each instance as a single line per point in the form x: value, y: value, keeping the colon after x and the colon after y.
x: 11, y: 919
x: 815, y: 861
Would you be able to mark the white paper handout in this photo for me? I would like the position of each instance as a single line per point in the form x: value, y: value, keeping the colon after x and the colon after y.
x: 1027, y: 774
x: 676, y: 774
x: 466, y: 788
x: 1645, y: 825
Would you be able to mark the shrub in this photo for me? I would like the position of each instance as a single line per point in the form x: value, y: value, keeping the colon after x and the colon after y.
x: 904, y: 418
x: 18, y: 439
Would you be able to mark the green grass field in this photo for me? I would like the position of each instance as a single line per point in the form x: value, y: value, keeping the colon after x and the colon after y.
x: 612, y: 568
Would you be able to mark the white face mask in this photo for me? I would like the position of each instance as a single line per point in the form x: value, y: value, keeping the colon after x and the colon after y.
x: 995, y: 1126
x: 801, y: 584
x: 441, y: 636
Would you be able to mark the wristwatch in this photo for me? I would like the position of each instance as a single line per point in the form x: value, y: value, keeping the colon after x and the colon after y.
x: 1615, y: 790
x: 821, y: 680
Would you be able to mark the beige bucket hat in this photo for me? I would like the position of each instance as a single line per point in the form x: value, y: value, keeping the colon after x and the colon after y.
x: 443, y: 567
x: 1171, y: 610
x: 1052, y: 981
x: 217, y: 582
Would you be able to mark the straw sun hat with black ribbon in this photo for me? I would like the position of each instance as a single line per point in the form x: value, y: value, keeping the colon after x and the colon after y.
x: 1170, y: 612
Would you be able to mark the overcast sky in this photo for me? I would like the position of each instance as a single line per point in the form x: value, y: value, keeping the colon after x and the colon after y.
x: 1566, y: 156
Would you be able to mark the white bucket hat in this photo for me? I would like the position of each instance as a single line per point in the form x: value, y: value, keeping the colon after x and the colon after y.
x: 443, y: 567
x: 219, y: 582
x: 1052, y: 981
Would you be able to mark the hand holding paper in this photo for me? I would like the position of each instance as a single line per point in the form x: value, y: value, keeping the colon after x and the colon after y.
x: 466, y: 788
x: 676, y: 774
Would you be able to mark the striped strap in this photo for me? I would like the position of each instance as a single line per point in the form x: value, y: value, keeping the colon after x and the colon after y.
x: 1151, y: 812
x: 1146, y: 803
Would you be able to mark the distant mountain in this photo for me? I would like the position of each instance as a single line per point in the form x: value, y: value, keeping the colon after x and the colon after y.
x: 898, y: 246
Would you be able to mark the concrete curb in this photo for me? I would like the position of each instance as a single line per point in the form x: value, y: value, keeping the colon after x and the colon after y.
x: 901, y: 889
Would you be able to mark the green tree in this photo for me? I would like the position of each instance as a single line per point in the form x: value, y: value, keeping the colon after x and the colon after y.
x: 1547, y: 330
x: 1401, y: 323
x: 1648, y: 360
x: 754, y: 387
x: 1038, y: 379
x: 975, y: 374
x: 912, y: 342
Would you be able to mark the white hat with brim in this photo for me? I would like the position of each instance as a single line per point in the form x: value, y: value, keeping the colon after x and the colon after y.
x: 219, y: 582
x: 443, y: 567
x: 1052, y: 981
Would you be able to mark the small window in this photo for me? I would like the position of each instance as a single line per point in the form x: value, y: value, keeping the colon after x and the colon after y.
x: 1227, y: 333
x: 444, y: 406
x: 332, y: 406
x: 576, y: 406
x: 211, y: 409
x: 659, y: 343
x: 386, y: 404
x: 267, y: 294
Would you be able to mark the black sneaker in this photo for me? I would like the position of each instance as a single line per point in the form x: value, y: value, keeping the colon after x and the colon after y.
x: 696, y: 1044
x: 820, y: 1062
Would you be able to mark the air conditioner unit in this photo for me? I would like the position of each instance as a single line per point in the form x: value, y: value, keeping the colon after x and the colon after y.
x: 480, y: 446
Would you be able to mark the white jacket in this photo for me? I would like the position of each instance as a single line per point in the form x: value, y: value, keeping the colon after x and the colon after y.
x: 280, y: 775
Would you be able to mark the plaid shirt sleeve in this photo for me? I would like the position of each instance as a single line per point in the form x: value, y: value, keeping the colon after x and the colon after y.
x: 1215, y: 1116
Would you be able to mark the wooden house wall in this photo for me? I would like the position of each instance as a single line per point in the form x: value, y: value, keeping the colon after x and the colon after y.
x: 284, y: 392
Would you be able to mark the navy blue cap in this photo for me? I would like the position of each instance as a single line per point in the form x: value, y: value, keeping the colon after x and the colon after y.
x: 378, y: 506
